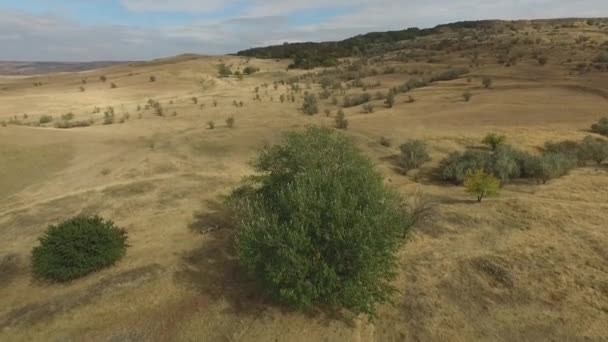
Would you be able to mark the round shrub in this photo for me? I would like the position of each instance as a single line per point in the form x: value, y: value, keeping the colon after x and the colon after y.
x: 77, y: 247
x: 318, y: 226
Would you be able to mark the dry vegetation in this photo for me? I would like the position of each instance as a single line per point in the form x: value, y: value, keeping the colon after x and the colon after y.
x: 159, y: 152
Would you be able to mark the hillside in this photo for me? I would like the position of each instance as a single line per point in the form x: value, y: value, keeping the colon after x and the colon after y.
x: 148, y: 145
x: 40, y: 68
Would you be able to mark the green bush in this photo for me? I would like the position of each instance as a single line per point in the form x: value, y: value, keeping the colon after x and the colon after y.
x: 414, y: 153
x: 356, y: 100
x: 594, y: 149
x: 317, y: 225
x: 549, y: 166
x: 494, y: 140
x: 487, y: 82
x: 601, y: 127
x: 224, y: 70
x: 250, y: 70
x: 455, y: 167
x: 310, y: 105
x: 44, y: 119
x: 77, y: 247
x: 390, y: 99
x: 481, y: 184
x: 341, y: 122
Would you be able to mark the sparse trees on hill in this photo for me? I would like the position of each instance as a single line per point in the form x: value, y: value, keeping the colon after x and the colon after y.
x: 390, y: 99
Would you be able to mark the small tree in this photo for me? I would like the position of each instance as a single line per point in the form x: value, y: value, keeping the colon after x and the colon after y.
x: 594, y: 149
x: 341, y: 122
x: 368, y: 108
x: 310, y: 105
x: 487, y: 82
x: 113, y: 86
x: 194, y: 99
x: 103, y: 78
x: 318, y: 226
x: 390, y: 99
x: 152, y: 78
x: 414, y: 153
x: 224, y: 70
x: 601, y: 127
x: 542, y: 60
x: 481, y: 184
x: 494, y: 140
x: 210, y: 124
x: 230, y: 122
x: 467, y: 95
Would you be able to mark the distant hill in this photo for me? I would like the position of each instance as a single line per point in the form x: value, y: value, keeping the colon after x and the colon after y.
x: 39, y: 68
x: 308, y: 55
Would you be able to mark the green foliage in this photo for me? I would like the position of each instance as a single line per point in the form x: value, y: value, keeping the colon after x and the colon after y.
x: 341, y: 122
x: 594, y: 149
x: 601, y: 127
x: 44, y: 119
x: 230, y: 122
x: 310, y: 105
x: 450, y: 74
x: 317, y: 226
x: 455, y: 167
x: 224, y: 70
x: 67, y: 116
x: 356, y: 100
x: 384, y: 141
x: 77, y: 247
x: 494, y: 140
x: 550, y: 165
x: 487, y: 82
x: 481, y: 184
x: 414, y: 153
x: 250, y: 70
x: 390, y: 99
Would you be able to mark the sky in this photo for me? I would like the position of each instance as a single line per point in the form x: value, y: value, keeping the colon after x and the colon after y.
x: 93, y: 30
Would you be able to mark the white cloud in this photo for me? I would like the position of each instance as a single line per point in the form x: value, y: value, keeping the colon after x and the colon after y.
x: 257, y: 23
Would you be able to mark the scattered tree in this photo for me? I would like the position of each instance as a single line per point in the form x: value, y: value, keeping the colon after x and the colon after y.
x: 487, y: 82
x: 467, y: 95
x: 310, y: 105
x: 481, y: 184
x: 414, y: 153
x: 494, y: 140
x: 318, y: 226
x: 341, y: 122
x: 230, y: 122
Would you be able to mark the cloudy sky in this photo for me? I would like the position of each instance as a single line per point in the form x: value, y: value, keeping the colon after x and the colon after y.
x: 86, y: 30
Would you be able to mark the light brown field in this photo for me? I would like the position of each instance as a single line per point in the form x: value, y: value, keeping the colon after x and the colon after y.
x: 530, y: 265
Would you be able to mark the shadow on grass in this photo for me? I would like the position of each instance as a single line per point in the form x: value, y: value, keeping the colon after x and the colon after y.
x: 214, y: 271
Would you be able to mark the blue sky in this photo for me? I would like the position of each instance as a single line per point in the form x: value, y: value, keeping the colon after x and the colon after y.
x: 78, y: 30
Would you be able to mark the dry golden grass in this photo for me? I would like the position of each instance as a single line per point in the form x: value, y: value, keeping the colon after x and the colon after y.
x: 529, y: 265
